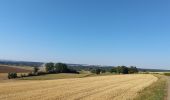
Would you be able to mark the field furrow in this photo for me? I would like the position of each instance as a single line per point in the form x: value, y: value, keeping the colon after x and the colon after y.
x: 118, y: 87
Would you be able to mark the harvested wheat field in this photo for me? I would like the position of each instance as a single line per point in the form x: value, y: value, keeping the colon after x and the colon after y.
x: 117, y: 87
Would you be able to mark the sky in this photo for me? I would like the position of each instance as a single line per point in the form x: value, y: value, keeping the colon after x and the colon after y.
x: 99, y: 32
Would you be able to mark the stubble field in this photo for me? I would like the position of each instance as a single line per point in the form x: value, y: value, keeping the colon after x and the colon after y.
x: 117, y: 87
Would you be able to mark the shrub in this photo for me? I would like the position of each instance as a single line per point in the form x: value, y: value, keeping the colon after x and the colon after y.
x: 12, y: 75
x: 167, y: 74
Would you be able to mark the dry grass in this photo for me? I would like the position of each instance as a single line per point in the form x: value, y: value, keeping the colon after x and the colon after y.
x: 157, y: 91
x: 3, y: 76
x: 117, y: 87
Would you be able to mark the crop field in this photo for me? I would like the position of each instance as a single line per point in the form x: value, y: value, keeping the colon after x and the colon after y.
x: 7, y: 69
x: 117, y: 87
x: 3, y: 76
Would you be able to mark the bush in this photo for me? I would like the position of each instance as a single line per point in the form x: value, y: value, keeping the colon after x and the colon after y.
x: 12, y: 75
x: 167, y: 74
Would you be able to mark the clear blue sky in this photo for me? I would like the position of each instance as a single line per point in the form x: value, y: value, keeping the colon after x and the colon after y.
x: 106, y: 32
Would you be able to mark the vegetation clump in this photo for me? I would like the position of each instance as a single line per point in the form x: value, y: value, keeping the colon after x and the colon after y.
x: 12, y: 75
x: 167, y: 74
x: 58, y: 68
x: 124, y: 70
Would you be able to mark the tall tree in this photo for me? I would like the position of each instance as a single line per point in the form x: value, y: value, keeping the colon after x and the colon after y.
x: 49, y: 67
x: 61, y: 68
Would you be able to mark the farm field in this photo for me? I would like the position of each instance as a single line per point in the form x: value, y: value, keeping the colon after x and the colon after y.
x: 7, y: 69
x: 117, y: 87
x: 3, y: 76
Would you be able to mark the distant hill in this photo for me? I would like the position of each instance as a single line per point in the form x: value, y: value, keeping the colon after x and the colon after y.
x: 153, y: 70
x: 108, y: 68
x: 77, y: 67
x: 80, y: 67
x: 20, y: 63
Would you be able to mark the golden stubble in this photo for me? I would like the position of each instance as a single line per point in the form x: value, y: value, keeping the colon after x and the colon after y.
x: 117, y: 87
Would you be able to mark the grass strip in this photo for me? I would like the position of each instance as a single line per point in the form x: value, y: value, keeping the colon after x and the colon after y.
x: 157, y: 91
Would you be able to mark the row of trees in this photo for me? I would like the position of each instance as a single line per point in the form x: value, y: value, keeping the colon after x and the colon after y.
x: 58, y: 68
x: 117, y: 70
x: 124, y: 70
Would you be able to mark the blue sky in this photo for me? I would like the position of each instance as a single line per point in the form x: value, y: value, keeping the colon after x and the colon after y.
x: 104, y: 32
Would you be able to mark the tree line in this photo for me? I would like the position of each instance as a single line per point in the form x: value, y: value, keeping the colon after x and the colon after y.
x: 58, y: 68
x: 117, y: 70
x: 124, y: 70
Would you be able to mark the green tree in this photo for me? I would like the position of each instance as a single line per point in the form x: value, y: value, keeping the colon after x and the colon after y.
x: 49, y: 67
x: 61, y: 68
x: 113, y: 70
x: 132, y: 70
x: 36, y: 70
x: 122, y: 70
x: 98, y: 71
x: 12, y: 75
x: 118, y: 69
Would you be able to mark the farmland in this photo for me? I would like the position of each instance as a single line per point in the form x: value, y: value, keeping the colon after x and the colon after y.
x: 7, y: 69
x: 119, y: 87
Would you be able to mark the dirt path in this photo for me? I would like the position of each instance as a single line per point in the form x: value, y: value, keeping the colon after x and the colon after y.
x: 168, y: 88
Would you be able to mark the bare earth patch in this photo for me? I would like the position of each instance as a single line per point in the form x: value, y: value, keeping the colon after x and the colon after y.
x: 117, y: 87
x: 7, y: 69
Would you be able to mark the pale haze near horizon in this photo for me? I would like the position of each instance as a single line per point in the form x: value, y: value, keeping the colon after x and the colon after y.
x: 99, y: 32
